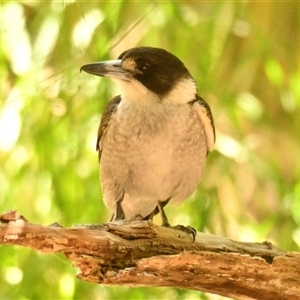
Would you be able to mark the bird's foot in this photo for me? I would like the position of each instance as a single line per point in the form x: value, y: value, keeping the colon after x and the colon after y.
x: 133, y: 219
x: 187, y: 229
x: 136, y: 218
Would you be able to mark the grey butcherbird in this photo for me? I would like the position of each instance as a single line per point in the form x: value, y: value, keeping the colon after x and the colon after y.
x: 153, y: 139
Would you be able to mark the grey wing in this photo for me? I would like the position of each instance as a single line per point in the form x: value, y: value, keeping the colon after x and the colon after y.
x: 206, y: 118
x: 110, y: 109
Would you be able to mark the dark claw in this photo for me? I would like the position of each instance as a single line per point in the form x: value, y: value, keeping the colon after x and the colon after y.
x: 165, y: 223
x: 188, y: 229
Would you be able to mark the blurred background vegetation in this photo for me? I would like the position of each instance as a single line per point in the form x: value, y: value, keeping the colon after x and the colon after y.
x: 245, y: 57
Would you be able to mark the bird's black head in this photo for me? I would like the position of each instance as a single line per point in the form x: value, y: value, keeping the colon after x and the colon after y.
x: 157, y: 69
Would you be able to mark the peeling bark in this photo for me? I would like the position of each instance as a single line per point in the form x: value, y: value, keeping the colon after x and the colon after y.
x: 140, y: 253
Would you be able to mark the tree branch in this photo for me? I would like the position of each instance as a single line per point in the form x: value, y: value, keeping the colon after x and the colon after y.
x: 139, y: 253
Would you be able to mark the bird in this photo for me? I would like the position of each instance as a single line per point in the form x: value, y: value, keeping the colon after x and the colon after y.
x: 154, y: 138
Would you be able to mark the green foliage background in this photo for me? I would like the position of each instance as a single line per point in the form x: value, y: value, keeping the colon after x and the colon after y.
x: 245, y: 57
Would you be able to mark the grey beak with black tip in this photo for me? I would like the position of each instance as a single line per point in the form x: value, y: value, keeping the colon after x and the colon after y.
x: 110, y: 68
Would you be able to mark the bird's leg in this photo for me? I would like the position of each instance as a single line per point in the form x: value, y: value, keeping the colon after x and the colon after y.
x: 150, y: 216
x: 119, y: 213
x: 165, y: 223
x: 157, y: 209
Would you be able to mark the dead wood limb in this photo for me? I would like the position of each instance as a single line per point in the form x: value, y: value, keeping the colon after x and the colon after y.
x: 144, y: 254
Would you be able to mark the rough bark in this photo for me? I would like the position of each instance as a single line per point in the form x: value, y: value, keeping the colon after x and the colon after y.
x: 139, y: 253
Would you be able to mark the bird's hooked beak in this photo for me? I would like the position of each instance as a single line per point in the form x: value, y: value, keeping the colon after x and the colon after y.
x: 109, y: 68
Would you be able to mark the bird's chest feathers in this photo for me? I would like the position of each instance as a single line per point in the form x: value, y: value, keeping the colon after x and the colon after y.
x: 152, y: 125
x: 153, y: 149
x: 152, y: 138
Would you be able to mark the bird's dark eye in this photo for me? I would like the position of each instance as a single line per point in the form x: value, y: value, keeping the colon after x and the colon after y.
x: 143, y: 66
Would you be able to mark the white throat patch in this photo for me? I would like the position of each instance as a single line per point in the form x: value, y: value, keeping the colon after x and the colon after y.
x: 135, y: 91
x: 183, y: 92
